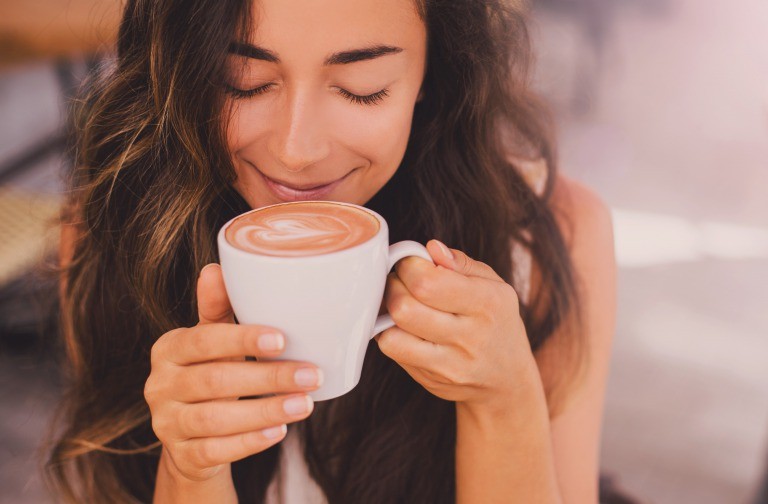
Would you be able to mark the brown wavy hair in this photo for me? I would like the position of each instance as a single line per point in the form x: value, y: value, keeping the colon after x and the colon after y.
x: 152, y: 183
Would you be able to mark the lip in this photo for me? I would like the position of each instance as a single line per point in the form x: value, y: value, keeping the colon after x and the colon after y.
x: 289, y: 193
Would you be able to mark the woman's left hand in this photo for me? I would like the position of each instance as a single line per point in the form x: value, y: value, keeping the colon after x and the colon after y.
x: 459, y: 332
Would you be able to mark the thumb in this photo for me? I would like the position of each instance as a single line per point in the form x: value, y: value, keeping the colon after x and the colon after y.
x: 459, y: 262
x: 212, y: 301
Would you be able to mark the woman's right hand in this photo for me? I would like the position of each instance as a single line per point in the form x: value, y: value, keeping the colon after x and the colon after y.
x: 198, y: 374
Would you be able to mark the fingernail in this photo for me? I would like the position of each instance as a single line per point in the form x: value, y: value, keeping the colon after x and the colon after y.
x: 206, y: 267
x: 275, y: 432
x: 270, y: 342
x: 447, y: 253
x: 308, y: 377
x: 298, y: 405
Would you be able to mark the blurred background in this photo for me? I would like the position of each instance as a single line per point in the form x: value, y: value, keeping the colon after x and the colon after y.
x: 662, y: 108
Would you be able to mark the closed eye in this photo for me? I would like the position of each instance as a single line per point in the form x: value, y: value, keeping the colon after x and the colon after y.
x: 247, y: 93
x: 370, y: 99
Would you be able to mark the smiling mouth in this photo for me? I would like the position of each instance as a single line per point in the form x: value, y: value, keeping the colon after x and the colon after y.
x: 308, y: 187
x: 301, y: 187
x: 288, y: 192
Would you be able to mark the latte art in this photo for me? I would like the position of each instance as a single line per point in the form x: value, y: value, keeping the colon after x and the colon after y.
x: 302, y: 229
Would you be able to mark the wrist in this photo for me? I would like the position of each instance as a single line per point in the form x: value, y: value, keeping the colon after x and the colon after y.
x: 172, y: 486
x: 517, y: 404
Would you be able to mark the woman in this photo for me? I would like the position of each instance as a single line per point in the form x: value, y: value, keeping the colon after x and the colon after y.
x: 490, y: 387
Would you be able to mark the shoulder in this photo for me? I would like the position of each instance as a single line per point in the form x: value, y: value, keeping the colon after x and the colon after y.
x: 582, y: 216
x: 585, y: 222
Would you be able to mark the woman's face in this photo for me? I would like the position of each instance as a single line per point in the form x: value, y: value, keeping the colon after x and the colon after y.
x: 324, y: 92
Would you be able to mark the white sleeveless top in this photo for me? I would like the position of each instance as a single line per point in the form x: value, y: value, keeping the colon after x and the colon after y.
x: 292, y: 483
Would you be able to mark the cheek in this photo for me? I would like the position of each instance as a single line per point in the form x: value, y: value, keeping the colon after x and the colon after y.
x: 245, y: 123
x: 379, y: 135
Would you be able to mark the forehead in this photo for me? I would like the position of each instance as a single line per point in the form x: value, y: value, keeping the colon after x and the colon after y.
x: 309, y: 29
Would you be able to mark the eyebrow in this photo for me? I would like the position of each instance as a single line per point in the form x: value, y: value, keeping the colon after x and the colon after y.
x: 338, y: 58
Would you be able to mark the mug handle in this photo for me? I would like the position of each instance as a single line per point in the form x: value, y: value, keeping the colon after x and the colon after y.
x: 397, y: 251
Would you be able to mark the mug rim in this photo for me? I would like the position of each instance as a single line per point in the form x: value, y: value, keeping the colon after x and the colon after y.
x: 383, y: 229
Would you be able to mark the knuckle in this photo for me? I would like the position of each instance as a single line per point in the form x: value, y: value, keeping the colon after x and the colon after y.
x: 213, y: 379
x: 511, y: 296
x: 207, y: 452
x: 454, y: 375
x: 491, y: 301
x: 422, y: 288
x: 156, y: 352
x: 388, y: 343
x: 164, y: 343
x: 198, y: 342
x: 381, y: 340
x: 280, y: 376
x: 400, y: 308
x: 158, y: 426
x: 243, y: 335
x: 155, y: 388
x: 501, y: 302
x: 274, y: 413
x: 164, y: 426
x: 275, y: 375
x: 462, y: 260
x: 206, y: 419
x: 149, y: 389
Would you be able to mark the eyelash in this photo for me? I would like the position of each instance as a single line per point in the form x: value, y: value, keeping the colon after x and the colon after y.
x: 371, y: 99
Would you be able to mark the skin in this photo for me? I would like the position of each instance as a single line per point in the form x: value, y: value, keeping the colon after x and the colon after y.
x: 302, y: 130
x: 458, y: 332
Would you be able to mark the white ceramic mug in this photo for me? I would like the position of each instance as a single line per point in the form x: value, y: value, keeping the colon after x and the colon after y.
x: 326, y: 305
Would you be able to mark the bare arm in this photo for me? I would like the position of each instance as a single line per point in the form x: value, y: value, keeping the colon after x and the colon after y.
x: 576, y: 430
x: 507, y: 456
x: 517, y: 454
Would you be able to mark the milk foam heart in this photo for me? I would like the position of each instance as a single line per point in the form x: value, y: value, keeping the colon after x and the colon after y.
x: 302, y: 229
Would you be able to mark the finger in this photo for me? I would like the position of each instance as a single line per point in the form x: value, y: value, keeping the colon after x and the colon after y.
x: 221, y: 380
x: 407, y: 349
x: 213, y: 451
x: 212, y: 300
x: 216, y: 418
x: 441, y: 288
x: 417, y: 318
x: 212, y: 341
x: 458, y: 261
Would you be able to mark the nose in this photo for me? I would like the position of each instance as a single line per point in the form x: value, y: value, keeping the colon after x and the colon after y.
x: 299, y: 139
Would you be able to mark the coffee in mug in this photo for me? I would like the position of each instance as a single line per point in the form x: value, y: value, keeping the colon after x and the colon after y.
x: 315, y: 270
x: 302, y: 230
